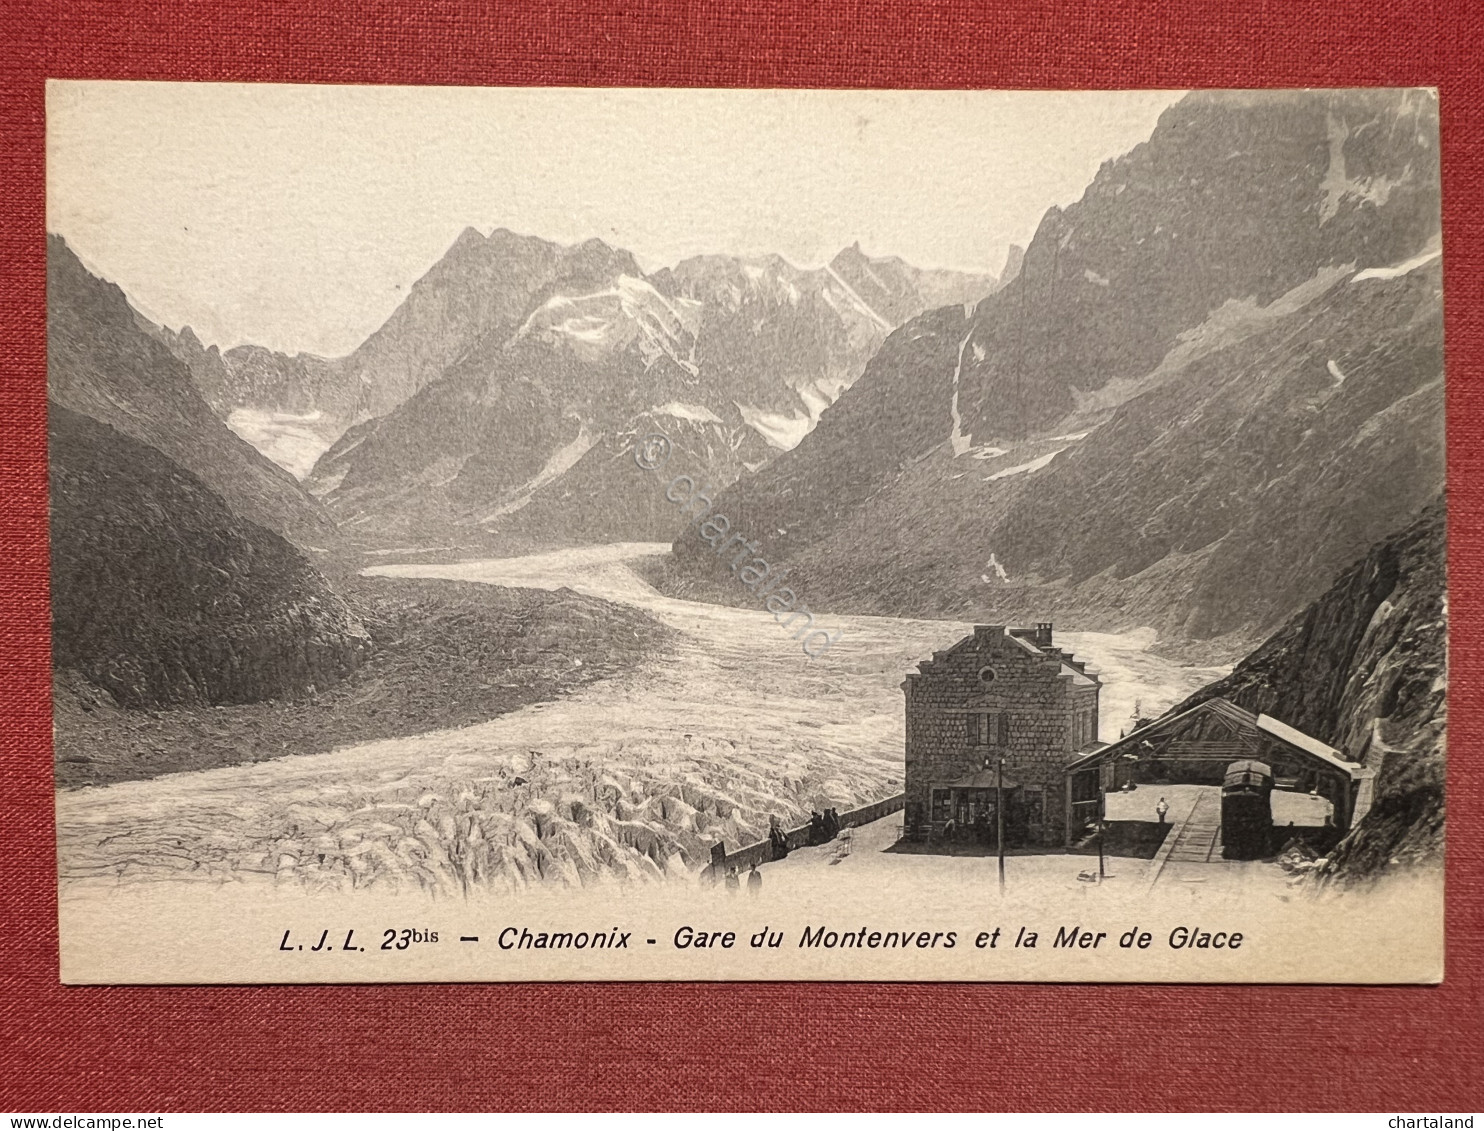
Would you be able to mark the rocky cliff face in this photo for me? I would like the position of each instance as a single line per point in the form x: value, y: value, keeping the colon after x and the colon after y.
x: 1364, y: 668
x: 161, y: 595
x: 1212, y: 383
x: 101, y: 363
x: 1014, y: 260
x: 522, y: 437
x: 1233, y: 197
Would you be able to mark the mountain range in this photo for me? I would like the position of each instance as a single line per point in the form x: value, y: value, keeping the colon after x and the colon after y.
x: 514, y: 366
x: 581, y: 350
x: 1215, y: 380
x: 531, y: 428
x: 1202, y: 390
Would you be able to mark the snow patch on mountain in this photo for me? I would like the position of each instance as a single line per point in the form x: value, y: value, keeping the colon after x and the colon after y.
x: 987, y: 451
x: 294, y: 441
x: 854, y: 297
x: 1229, y: 324
x: 784, y: 430
x: 1406, y: 267
x: 780, y: 429
x: 630, y: 311
x: 1025, y: 468
x: 961, y: 443
x: 557, y: 464
x: 697, y: 413
x: 816, y: 398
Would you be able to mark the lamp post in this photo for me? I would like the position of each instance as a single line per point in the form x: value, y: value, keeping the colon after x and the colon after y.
x: 999, y: 818
x: 999, y: 813
x: 1103, y: 827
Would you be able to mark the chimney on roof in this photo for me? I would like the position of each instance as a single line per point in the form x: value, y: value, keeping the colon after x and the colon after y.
x: 1043, y: 634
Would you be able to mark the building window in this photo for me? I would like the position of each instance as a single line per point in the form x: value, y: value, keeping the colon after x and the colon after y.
x: 1083, y: 729
x: 987, y: 676
x: 1035, y: 804
x: 988, y: 728
x: 942, y: 805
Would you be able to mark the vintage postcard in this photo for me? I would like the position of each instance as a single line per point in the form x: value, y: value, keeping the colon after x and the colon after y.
x: 510, y: 534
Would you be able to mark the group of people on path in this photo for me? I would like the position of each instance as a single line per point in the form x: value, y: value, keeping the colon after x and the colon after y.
x: 823, y: 827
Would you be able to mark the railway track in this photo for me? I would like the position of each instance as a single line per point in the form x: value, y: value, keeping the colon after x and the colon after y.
x: 1198, y: 839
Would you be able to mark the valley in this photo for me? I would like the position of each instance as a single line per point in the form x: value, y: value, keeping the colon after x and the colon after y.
x: 633, y: 775
x: 1214, y: 381
x: 410, y: 619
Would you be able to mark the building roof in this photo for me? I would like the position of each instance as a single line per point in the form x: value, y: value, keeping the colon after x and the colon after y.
x: 1241, y: 719
x: 1078, y: 679
x: 1295, y: 737
x: 1078, y: 672
x: 1024, y: 643
x: 1250, y: 766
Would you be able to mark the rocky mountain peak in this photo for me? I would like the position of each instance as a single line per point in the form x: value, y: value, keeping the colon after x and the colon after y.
x: 1014, y: 257
x: 470, y: 237
x: 850, y: 257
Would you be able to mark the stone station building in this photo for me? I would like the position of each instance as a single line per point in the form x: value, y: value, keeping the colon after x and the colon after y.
x: 1003, y: 705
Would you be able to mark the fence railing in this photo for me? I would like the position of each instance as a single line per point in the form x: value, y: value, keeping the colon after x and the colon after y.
x: 762, y: 851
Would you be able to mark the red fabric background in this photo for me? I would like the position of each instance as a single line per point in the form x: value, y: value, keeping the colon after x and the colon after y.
x: 728, y: 1046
